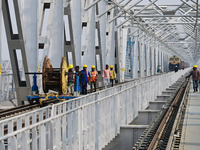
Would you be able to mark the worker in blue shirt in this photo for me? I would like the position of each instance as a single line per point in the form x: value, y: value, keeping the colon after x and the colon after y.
x: 87, y: 77
x: 77, y: 82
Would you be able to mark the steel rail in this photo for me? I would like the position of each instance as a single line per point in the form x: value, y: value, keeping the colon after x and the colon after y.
x: 16, y: 110
x: 174, y: 139
x: 166, y: 118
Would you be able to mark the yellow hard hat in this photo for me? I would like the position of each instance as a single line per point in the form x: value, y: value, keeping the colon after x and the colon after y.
x: 111, y: 66
x: 195, y: 66
x: 70, y: 66
x: 84, y: 66
x: 93, y: 67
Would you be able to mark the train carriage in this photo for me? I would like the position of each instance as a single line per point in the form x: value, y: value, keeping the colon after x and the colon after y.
x: 173, y: 62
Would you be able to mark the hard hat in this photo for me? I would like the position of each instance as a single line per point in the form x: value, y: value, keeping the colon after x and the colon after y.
x: 70, y: 66
x: 84, y: 66
x: 93, y: 67
x: 111, y: 66
x: 195, y: 66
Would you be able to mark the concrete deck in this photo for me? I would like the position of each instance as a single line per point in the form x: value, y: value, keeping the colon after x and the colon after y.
x: 190, y: 139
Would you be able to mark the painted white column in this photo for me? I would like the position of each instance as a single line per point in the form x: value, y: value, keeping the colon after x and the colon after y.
x: 56, y: 48
x: 30, y: 21
x: 160, y: 56
x: 89, y: 55
x: 167, y: 61
x: 123, y: 52
x: 102, y: 22
x: 120, y: 45
x: 156, y: 60
x: 153, y: 59
x: 132, y: 55
x: 145, y: 55
x: 110, y: 44
x: 139, y: 57
x: 162, y: 61
x: 0, y: 43
x: 136, y: 61
x: 148, y: 57
x: 0, y: 30
x: 142, y: 56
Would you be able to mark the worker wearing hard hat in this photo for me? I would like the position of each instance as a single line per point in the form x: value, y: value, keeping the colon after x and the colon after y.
x: 86, y: 79
x: 113, y: 75
x: 70, y: 85
x: 93, y: 79
x: 106, y: 77
x: 77, y: 83
x: 195, y: 77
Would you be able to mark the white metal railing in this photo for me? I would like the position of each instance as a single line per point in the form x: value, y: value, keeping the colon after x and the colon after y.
x: 88, y: 122
x: 7, y: 87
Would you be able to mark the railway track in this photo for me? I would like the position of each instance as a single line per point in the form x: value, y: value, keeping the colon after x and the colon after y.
x: 17, y: 110
x: 7, y: 113
x: 157, y: 136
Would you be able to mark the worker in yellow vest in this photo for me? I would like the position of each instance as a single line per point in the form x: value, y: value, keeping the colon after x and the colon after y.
x: 93, y: 79
x: 113, y: 75
x: 70, y: 85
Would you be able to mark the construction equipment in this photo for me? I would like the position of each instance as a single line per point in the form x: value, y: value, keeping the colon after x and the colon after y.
x: 54, y: 78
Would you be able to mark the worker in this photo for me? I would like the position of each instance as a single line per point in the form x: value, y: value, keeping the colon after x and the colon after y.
x: 106, y: 77
x: 195, y: 77
x: 70, y: 85
x: 159, y: 69
x: 86, y: 79
x: 93, y: 80
x: 176, y: 69
x: 113, y: 75
x: 77, y: 82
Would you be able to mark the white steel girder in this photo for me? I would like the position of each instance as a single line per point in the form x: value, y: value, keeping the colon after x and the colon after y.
x: 0, y: 44
x: 119, y: 20
x: 136, y: 58
x: 76, y: 13
x: 0, y: 31
x: 56, y: 47
x: 102, y: 23
x: 89, y: 51
x: 53, y: 36
x: 30, y: 17
x: 122, y: 53
x: 110, y: 42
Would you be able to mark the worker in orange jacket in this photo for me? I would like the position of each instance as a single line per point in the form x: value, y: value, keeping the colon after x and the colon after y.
x: 93, y: 79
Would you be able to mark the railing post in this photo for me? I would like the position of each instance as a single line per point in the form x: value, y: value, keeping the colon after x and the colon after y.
x: 80, y: 126
x: 42, y: 137
x: 8, y: 84
x: 3, y: 88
